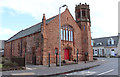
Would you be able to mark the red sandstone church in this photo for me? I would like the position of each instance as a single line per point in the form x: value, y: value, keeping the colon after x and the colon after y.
x: 35, y: 42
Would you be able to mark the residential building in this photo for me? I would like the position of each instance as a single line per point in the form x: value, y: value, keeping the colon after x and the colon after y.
x: 105, y: 46
x: 2, y: 47
x: 118, y: 45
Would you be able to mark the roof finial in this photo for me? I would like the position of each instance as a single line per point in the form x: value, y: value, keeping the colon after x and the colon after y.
x: 43, y: 16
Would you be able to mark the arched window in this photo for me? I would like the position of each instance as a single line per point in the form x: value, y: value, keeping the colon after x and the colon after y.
x: 67, y: 33
x: 111, y: 41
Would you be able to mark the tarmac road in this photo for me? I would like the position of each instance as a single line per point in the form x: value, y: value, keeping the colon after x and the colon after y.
x: 110, y: 67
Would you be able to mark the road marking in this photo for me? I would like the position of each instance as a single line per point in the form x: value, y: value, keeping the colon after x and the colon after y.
x: 27, y: 68
x: 103, y: 60
x: 82, y: 73
x: 106, y: 72
x: 29, y: 73
x: 88, y: 72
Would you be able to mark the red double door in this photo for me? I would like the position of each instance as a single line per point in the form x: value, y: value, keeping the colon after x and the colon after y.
x: 66, y: 54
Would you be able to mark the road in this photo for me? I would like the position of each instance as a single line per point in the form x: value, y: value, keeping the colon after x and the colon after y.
x: 110, y: 67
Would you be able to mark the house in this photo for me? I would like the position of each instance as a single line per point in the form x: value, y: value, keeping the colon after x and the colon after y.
x: 36, y: 42
x: 105, y: 46
x: 2, y: 47
x: 118, y: 45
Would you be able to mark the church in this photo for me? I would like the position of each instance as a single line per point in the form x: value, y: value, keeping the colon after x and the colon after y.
x: 36, y: 42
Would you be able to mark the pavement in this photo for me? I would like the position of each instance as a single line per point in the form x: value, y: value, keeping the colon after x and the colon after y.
x: 53, y: 70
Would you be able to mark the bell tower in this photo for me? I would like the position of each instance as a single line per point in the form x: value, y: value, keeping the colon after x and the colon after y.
x: 82, y: 14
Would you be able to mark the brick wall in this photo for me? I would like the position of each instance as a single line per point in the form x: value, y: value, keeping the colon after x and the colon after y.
x: 30, y: 44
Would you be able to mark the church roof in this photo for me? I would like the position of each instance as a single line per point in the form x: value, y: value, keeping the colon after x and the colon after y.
x: 31, y: 30
x: 104, y: 41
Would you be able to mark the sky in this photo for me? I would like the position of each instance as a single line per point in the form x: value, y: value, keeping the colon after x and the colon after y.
x: 16, y: 15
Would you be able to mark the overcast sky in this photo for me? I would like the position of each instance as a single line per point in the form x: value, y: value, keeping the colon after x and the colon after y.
x: 16, y: 15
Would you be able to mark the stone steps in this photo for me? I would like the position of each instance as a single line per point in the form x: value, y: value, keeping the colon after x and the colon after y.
x: 67, y: 62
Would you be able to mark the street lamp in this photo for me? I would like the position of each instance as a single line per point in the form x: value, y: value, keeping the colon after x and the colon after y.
x: 60, y: 34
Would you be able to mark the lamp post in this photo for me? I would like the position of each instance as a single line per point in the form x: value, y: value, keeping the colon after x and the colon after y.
x: 60, y: 34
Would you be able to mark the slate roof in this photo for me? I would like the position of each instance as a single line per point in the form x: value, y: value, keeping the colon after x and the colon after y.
x: 31, y: 30
x: 104, y: 41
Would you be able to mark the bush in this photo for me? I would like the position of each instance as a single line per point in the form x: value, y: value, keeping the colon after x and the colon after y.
x: 2, y: 55
x: 9, y: 64
x: 4, y: 60
x: 0, y: 65
x: 94, y: 58
x: 64, y: 61
x: 19, y: 60
x: 74, y: 60
x: 112, y: 56
x: 118, y: 56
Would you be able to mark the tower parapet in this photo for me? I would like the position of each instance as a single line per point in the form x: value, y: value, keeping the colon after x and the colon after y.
x: 82, y: 12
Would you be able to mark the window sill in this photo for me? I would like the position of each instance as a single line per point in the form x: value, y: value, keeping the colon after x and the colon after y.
x: 66, y: 41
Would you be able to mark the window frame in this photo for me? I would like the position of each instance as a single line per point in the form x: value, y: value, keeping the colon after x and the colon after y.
x: 111, y: 41
x: 67, y: 33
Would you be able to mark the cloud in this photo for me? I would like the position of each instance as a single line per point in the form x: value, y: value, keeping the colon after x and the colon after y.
x: 6, y: 31
x: 104, y: 13
x: 12, y: 13
x: 34, y: 7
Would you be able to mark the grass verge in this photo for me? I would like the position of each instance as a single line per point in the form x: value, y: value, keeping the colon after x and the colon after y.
x: 0, y: 65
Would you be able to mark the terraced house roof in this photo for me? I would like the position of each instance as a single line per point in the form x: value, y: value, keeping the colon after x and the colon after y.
x: 31, y: 30
x: 104, y: 41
